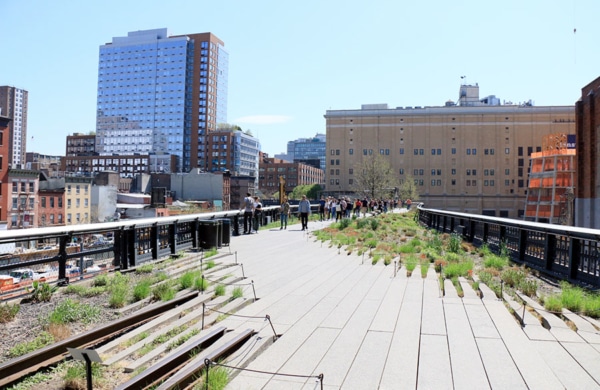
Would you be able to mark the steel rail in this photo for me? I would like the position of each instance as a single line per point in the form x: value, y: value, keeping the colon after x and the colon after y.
x: 17, y: 368
x: 191, y: 373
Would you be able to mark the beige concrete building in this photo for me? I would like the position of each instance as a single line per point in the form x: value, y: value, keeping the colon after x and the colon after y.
x: 77, y: 200
x: 471, y: 157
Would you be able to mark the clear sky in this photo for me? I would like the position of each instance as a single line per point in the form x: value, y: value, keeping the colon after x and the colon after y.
x: 289, y: 62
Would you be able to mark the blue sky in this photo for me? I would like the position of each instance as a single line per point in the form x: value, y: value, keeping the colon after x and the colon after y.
x: 289, y: 62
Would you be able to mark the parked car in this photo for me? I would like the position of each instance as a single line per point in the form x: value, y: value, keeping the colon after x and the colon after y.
x: 25, y: 274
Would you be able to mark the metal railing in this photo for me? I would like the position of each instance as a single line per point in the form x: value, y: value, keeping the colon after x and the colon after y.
x: 70, y: 251
x: 565, y: 252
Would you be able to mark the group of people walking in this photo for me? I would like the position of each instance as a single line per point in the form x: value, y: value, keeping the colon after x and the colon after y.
x: 330, y: 208
x: 252, y: 213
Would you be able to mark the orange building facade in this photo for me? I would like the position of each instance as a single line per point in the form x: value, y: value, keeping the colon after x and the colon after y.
x: 552, y: 175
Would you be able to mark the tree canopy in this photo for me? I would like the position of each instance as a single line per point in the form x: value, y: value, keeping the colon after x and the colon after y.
x: 374, y: 177
x: 310, y: 190
x: 408, y: 189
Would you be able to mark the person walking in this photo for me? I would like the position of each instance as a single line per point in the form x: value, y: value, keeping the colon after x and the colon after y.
x: 304, y: 210
x: 257, y: 213
x: 322, y: 208
x: 248, y: 207
x: 284, y: 212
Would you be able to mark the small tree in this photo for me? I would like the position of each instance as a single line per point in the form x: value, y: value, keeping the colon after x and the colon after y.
x: 374, y: 177
x: 408, y: 189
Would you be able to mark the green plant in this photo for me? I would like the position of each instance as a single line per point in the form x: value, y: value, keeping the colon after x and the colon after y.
x: 237, y: 292
x: 361, y: 223
x: 200, y: 284
x: 163, y: 292
x: 211, y: 252
x: 8, y: 312
x: 591, y: 306
x: 220, y: 290
x: 374, y: 223
x: 144, y: 269
x: 182, y: 339
x: 187, y: 279
x: 43, y: 339
x: 572, y: 297
x: 83, y: 291
x: 210, y: 264
x: 553, y: 303
x: 118, y: 296
x: 101, y: 280
x: 454, y: 243
x: 411, y: 263
x: 142, y: 290
x: 72, y: 311
x: 344, y: 223
x: 41, y: 291
x: 218, y: 378
x: 513, y: 277
x: 424, y: 269
x: 75, y: 376
x: 458, y: 286
x: 493, y: 261
x: 454, y: 270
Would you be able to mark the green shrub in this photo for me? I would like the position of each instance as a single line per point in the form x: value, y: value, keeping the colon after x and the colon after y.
x: 454, y: 243
x: 411, y: 263
x: 452, y: 257
x: 591, y: 306
x: 344, y: 223
x: 142, y: 290
x: 163, y: 292
x: 361, y: 223
x: 43, y: 339
x: 118, y: 296
x: 211, y: 252
x: 200, y: 284
x: 371, y: 243
x: 529, y: 287
x: 572, y: 297
x: 553, y: 303
x: 424, y: 269
x: 144, y: 269
x: 237, y: 292
x: 101, y: 280
x: 406, y: 249
x: 72, y: 311
x: 454, y: 270
x: 493, y: 261
x: 83, y: 291
x: 210, y: 264
x: 75, y: 376
x: 8, y: 312
x: 42, y: 292
x: 374, y: 223
x: 513, y: 277
x: 220, y: 290
x: 187, y: 279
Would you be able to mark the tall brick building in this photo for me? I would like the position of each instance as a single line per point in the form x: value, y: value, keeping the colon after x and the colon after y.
x: 295, y: 174
x: 587, y: 192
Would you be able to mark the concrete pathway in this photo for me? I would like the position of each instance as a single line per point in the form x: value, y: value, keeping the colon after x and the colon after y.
x: 364, y: 327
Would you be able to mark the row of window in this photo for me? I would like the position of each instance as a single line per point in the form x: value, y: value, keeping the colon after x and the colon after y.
x: 438, y: 182
x: 434, y: 172
x: 421, y: 152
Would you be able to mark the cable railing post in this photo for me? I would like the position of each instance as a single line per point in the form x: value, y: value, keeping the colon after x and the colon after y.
x: 243, y: 274
x: 268, y: 318
x: 253, y: 290
x: 207, y: 365
x: 203, y: 313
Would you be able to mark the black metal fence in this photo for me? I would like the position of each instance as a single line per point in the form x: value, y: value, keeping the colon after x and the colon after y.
x: 564, y: 252
x: 60, y: 253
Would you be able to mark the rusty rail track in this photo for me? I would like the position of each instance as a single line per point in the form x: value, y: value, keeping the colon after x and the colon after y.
x: 180, y: 370
x: 17, y: 368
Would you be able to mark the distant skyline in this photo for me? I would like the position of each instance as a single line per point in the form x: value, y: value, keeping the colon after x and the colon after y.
x: 290, y: 62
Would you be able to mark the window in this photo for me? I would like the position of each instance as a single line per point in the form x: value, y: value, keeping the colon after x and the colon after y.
x: 31, y: 187
x: 401, y: 150
x: 68, y: 203
x: 331, y: 171
x: 415, y: 172
x: 453, y: 150
x: 15, y: 187
x: 350, y: 181
x: 350, y: 171
x: 453, y: 171
x: 365, y: 152
x: 337, y: 152
x: 332, y: 162
x: 453, y: 182
x: 401, y: 171
x: 337, y: 162
x: 506, y: 150
x: 332, y: 151
x: 416, y: 151
x: 350, y: 151
x: 52, y: 202
x: 60, y: 202
x: 421, y: 152
x: 43, y: 201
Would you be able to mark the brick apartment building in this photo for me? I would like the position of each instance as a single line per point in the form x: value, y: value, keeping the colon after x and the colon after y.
x: 295, y: 174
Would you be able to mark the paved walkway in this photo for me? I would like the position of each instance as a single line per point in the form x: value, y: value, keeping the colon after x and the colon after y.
x: 363, y: 327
